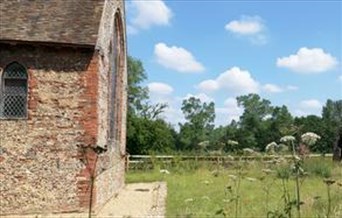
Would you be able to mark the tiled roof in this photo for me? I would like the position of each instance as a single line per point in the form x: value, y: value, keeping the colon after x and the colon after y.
x: 51, y: 21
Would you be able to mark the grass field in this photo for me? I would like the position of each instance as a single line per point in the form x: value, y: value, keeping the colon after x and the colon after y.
x: 247, y: 189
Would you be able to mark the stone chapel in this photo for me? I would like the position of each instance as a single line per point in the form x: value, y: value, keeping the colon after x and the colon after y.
x: 63, y: 91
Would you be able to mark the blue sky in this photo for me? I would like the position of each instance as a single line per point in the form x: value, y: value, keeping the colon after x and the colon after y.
x: 286, y: 51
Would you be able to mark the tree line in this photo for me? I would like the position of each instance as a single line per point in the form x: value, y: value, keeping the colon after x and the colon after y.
x: 260, y: 123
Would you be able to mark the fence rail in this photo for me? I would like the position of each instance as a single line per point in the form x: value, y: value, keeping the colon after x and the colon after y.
x: 147, y: 161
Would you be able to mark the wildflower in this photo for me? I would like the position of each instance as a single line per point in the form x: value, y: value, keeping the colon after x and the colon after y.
x: 271, y: 147
x: 310, y: 138
x: 203, y: 144
x: 288, y: 138
x: 164, y: 171
x: 232, y: 142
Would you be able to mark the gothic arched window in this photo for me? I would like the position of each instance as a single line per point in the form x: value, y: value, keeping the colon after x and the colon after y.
x: 13, y: 92
x: 116, y: 101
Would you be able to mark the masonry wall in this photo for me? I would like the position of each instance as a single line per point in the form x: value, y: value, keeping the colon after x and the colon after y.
x: 60, y: 159
x: 110, y: 171
x: 41, y: 165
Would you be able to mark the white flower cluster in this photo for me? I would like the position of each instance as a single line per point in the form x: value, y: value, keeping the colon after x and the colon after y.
x: 270, y: 148
x: 231, y: 142
x: 288, y: 138
x: 310, y: 138
x: 248, y: 151
x: 164, y: 171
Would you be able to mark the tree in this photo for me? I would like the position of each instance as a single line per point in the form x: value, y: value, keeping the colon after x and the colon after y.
x: 332, y: 120
x: 136, y: 93
x: 280, y: 123
x: 200, y: 122
x: 145, y: 131
x: 312, y: 123
x: 252, y: 122
x: 146, y: 136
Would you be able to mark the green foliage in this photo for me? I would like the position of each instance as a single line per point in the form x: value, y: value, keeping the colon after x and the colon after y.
x: 260, y: 123
x: 147, y: 135
x: 136, y: 92
x: 200, y: 118
x: 145, y: 131
x: 332, y: 123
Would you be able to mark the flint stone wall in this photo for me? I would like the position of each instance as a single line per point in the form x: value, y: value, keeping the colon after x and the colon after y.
x: 47, y: 160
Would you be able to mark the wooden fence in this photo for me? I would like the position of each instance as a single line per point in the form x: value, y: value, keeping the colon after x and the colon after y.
x: 148, y: 161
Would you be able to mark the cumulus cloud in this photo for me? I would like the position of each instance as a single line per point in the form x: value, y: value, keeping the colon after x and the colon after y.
x: 246, y: 25
x: 251, y: 27
x: 177, y: 58
x: 235, y: 80
x: 230, y: 111
x: 309, y: 106
x: 159, y: 88
x: 208, y: 85
x: 202, y: 96
x: 272, y: 88
x: 149, y: 13
x: 308, y: 61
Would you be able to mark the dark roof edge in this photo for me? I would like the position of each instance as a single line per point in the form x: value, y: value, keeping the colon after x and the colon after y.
x: 55, y: 44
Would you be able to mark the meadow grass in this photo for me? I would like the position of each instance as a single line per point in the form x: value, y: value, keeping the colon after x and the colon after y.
x: 245, y: 189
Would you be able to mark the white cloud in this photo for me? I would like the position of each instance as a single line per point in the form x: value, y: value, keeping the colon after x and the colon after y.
x: 308, y: 61
x: 177, y: 58
x: 208, y: 85
x: 230, y: 111
x: 159, y: 88
x: 251, y: 27
x: 340, y: 78
x: 235, y: 80
x: 246, y: 25
x: 272, y: 88
x: 149, y: 13
x: 202, y: 96
x: 309, y: 107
